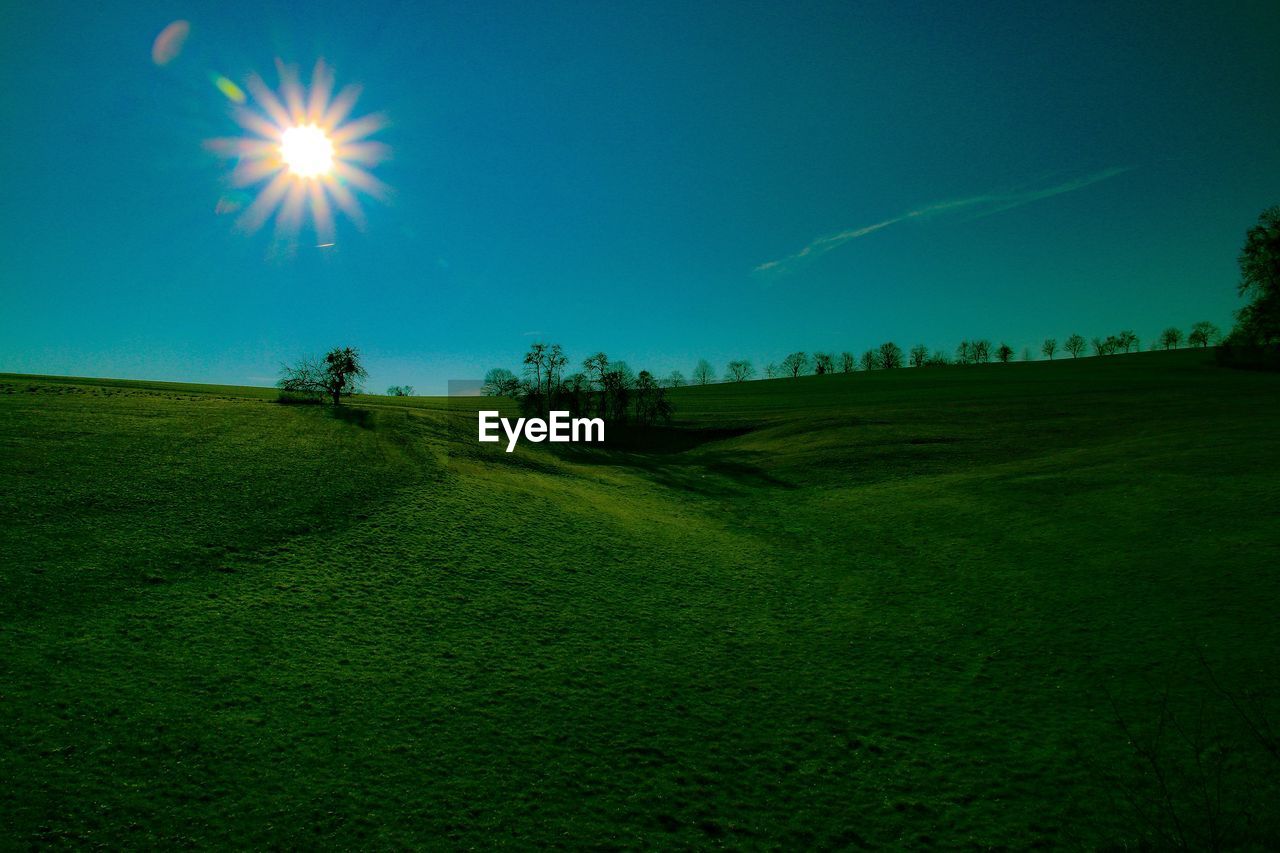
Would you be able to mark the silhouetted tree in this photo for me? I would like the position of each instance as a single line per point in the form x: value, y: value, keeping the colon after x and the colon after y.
x: 1256, y: 323
x: 556, y: 361
x: 1127, y: 340
x: 400, y: 391
x: 847, y: 363
x: 795, y: 364
x: 1004, y: 353
x: 1104, y: 346
x: 741, y: 370
x: 624, y: 370
x: 611, y: 388
x: 337, y: 375
x: 615, y: 394
x: 1259, y: 321
x: 981, y: 351
x: 704, y: 373
x: 919, y: 355
x: 500, y: 382
x: 595, y: 367
x: 1075, y: 345
x: 870, y: 360
x: 544, y: 365
x: 1202, y: 334
x: 574, y: 394
x: 823, y: 363
x: 890, y: 355
x: 938, y: 359
x: 675, y: 380
x: 772, y: 370
x: 964, y: 353
x: 1026, y: 353
x: 1049, y: 347
x: 534, y: 364
x: 1171, y: 337
x: 650, y: 399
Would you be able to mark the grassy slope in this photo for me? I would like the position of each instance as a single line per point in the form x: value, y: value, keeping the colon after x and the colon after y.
x: 889, y: 608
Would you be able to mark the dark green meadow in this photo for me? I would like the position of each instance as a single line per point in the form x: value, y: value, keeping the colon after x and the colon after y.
x: 995, y: 606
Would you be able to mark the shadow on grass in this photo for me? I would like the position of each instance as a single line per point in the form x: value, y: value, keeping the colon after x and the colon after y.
x: 362, y: 418
x: 662, y: 439
x: 660, y: 452
x: 288, y: 398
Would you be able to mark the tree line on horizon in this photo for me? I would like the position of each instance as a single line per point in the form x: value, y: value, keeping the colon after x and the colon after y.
x: 889, y: 355
x: 612, y: 390
x: 607, y: 389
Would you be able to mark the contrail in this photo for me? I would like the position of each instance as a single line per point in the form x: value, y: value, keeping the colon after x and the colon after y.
x: 985, y: 205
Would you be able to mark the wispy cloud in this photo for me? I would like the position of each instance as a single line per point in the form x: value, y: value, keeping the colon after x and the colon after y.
x: 979, y: 205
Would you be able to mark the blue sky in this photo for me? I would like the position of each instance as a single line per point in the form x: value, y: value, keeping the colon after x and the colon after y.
x: 643, y: 179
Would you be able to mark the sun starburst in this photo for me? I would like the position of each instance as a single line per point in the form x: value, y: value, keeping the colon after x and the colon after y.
x: 305, y: 154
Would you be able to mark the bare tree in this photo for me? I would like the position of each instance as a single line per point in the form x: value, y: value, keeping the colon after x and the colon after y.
x: 650, y: 400
x: 596, y: 366
x: 1203, y: 333
x: 823, y: 363
x: 624, y: 372
x: 741, y: 370
x: 534, y: 364
x: 1128, y: 340
x: 890, y: 355
x: 1075, y: 345
x: 964, y: 353
x: 847, y: 364
x: 1049, y: 347
x: 704, y: 373
x: 675, y: 380
x: 500, y: 382
x: 556, y: 361
x: 1004, y: 353
x: 772, y: 370
x: 1171, y: 337
x: 544, y: 365
x: 919, y: 355
x: 615, y: 394
x: 870, y: 360
x: 938, y: 359
x: 795, y: 364
x: 574, y: 394
x: 981, y: 351
x: 337, y: 375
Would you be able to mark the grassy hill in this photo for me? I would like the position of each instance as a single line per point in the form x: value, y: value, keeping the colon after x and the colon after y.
x: 955, y: 606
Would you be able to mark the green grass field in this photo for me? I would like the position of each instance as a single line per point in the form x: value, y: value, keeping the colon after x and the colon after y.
x: 901, y: 608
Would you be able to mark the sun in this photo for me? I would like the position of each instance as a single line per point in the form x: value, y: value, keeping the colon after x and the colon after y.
x: 307, y: 151
x: 306, y: 154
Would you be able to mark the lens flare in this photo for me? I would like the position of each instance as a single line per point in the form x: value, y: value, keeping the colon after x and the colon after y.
x: 168, y: 44
x: 304, y: 152
x: 229, y: 89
